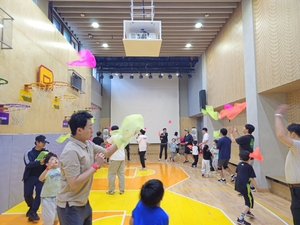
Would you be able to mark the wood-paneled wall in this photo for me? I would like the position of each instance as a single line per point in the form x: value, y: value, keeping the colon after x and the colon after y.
x: 186, y: 123
x: 37, y: 42
x: 293, y: 100
x: 277, y: 32
x: 225, y: 63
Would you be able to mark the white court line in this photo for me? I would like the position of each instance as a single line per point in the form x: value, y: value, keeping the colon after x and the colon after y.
x: 204, y: 204
x: 278, y: 217
x: 105, y: 217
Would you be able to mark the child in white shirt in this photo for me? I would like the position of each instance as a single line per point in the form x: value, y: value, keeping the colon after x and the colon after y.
x: 195, y: 152
x: 215, y: 153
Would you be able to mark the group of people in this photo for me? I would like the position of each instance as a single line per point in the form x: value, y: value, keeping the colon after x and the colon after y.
x: 64, y: 191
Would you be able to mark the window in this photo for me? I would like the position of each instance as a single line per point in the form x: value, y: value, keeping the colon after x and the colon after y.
x: 67, y: 36
x: 62, y: 27
x: 56, y: 24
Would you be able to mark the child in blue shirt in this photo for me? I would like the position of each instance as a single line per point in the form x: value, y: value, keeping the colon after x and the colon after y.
x: 148, y: 210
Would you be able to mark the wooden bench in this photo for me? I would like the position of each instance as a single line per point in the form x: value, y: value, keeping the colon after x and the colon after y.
x: 279, y: 187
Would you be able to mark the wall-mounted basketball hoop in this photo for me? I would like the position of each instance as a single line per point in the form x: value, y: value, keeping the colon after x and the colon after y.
x: 41, y: 90
x: 3, y: 82
x: 92, y: 110
x: 17, y: 112
x: 59, y: 88
x: 6, y: 29
x: 67, y: 99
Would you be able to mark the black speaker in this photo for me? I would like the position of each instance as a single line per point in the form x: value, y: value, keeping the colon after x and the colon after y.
x: 202, y: 99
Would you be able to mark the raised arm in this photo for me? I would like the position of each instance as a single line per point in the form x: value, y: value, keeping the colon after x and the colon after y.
x: 76, y: 182
x: 280, y: 129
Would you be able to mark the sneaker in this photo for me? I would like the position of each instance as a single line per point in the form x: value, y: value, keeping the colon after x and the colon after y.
x: 121, y: 192
x: 240, y: 195
x: 250, y: 214
x: 143, y: 168
x: 207, y: 176
x: 243, y: 222
x: 33, y: 217
x: 222, y: 180
x: 110, y: 192
x: 173, y: 160
x: 232, y: 178
x: 186, y: 161
x: 253, y: 189
x: 202, y: 174
x: 28, y: 212
x: 159, y: 159
x: 193, y: 166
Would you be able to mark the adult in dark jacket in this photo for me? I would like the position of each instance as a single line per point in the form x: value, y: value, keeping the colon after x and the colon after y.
x: 34, y: 166
x: 163, y: 144
x: 187, y: 141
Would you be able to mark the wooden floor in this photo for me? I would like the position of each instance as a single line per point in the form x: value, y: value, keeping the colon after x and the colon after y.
x: 189, y: 198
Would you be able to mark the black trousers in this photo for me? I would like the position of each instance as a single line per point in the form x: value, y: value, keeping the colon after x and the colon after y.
x: 128, y: 153
x: 196, y: 157
x: 163, y: 146
x: 295, y: 206
x: 142, y: 158
x: 29, y: 184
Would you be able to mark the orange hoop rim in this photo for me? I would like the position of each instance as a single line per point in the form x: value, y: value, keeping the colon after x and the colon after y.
x: 67, y: 97
x: 59, y: 83
x: 91, y: 108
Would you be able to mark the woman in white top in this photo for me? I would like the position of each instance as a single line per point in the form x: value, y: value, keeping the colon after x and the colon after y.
x: 143, y: 143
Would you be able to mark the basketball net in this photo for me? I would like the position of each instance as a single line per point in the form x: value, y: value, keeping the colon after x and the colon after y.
x: 59, y: 88
x: 17, y: 113
x: 40, y: 91
x: 92, y: 110
x: 68, y: 100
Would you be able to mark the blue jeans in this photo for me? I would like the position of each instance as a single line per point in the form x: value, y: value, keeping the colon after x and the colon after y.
x: 75, y: 215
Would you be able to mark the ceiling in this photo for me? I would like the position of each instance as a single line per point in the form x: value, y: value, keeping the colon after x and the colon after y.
x: 178, y: 18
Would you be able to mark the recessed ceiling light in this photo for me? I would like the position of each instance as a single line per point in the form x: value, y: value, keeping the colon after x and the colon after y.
x: 105, y: 45
x: 97, y: 42
x: 206, y: 15
x: 198, y: 25
x: 95, y: 25
x: 188, y: 45
x: 82, y: 14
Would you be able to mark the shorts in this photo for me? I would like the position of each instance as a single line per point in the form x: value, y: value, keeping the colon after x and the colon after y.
x: 248, y: 197
x: 187, y: 150
x: 223, y: 163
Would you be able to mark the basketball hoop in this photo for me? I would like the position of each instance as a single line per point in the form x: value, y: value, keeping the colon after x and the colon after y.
x: 41, y: 90
x: 17, y: 113
x: 68, y: 100
x: 59, y: 87
x: 92, y: 110
x: 3, y: 82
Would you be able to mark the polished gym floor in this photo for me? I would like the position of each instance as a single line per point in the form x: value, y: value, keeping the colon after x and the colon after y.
x: 189, y: 198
